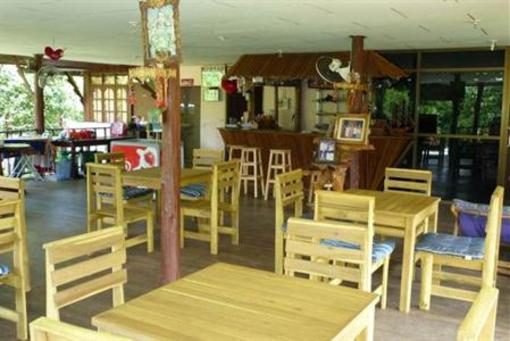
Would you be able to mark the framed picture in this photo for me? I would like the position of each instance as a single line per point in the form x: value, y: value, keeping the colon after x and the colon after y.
x: 326, y: 153
x: 211, y: 94
x: 352, y: 128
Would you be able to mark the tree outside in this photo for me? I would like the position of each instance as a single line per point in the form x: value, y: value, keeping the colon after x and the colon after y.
x: 17, y: 105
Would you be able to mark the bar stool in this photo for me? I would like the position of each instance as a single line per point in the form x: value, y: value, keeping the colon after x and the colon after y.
x: 234, y: 149
x: 314, y: 175
x: 251, y: 169
x: 279, y: 162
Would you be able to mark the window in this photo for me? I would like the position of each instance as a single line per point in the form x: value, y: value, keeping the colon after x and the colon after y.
x: 110, y: 98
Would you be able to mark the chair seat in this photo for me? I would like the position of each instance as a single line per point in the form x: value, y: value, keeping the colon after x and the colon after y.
x: 130, y: 192
x: 447, y: 244
x: 194, y: 191
x: 4, y: 270
x: 307, y: 215
x: 380, y: 249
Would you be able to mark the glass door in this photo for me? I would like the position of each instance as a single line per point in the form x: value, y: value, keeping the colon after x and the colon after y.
x: 459, y: 130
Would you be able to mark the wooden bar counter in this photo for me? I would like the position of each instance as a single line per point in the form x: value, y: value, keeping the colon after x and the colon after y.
x: 387, y: 150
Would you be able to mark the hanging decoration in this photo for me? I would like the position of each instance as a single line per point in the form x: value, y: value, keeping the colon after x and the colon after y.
x: 161, y: 43
x: 53, y: 54
x: 230, y: 86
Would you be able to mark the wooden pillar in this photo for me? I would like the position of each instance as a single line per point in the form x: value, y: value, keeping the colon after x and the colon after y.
x: 88, y: 110
x: 358, y: 65
x: 170, y: 179
x: 38, y: 96
x: 505, y: 118
x: 299, y: 107
x: 276, y: 109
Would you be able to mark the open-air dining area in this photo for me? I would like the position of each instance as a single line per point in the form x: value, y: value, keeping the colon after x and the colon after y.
x: 254, y: 170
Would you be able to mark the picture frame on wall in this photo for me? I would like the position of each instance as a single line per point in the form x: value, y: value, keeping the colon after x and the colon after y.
x: 352, y: 128
x: 326, y: 151
x: 211, y: 94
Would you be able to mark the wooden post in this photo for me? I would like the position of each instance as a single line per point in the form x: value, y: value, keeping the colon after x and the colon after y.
x: 276, y: 109
x: 38, y: 96
x: 170, y: 179
x: 358, y: 65
x: 299, y: 107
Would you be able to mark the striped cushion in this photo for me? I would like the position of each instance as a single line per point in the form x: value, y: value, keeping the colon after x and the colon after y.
x: 307, y: 215
x: 4, y: 270
x: 447, y: 244
x: 194, y: 190
x: 380, y: 249
x: 130, y: 192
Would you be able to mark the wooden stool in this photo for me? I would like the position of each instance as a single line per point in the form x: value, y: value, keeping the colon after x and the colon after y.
x: 279, y: 162
x: 314, y: 175
x: 234, y: 149
x: 251, y: 169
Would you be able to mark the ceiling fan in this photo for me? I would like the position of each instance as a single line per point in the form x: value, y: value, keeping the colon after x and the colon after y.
x: 330, y: 69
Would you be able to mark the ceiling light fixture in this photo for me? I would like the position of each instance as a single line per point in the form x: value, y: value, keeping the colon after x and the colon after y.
x: 493, y: 44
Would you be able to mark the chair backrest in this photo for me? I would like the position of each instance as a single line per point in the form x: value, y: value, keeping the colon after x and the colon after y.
x: 104, y: 189
x: 12, y: 188
x: 339, y: 206
x: 11, y: 233
x: 115, y: 158
x: 492, y: 238
x: 479, y: 323
x: 225, y: 185
x: 85, y: 265
x: 206, y: 158
x: 408, y: 181
x: 305, y: 252
x: 289, y: 193
x: 46, y: 329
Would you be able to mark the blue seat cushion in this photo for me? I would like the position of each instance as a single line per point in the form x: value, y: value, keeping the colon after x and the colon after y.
x: 380, y: 249
x: 307, y: 215
x: 130, y: 192
x: 4, y: 270
x: 447, y: 244
x: 194, y: 190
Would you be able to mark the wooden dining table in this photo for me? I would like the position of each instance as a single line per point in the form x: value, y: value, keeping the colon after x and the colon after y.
x: 225, y: 302
x: 406, y: 216
x: 151, y: 177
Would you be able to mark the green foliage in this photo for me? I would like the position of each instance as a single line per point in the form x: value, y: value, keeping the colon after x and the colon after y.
x: 17, y: 106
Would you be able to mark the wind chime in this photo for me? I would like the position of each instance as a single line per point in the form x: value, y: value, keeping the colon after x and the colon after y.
x: 161, y: 43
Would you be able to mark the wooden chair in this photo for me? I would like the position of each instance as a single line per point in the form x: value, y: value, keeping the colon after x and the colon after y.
x: 408, y: 181
x: 353, y: 216
x: 140, y: 194
x: 12, y: 189
x: 206, y: 158
x: 46, y: 329
x: 480, y: 322
x: 224, y: 199
x: 12, y: 240
x: 288, y: 194
x: 115, y: 158
x: 79, y: 264
x: 106, y: 203
x: 476, y: 256
x: 473, y: 218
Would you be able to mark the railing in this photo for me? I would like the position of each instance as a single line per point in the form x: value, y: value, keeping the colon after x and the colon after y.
x: 6, y: 134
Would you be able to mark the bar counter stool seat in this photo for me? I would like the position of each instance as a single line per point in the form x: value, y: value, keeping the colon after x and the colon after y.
x: 279, y: 162
x: 251, y: 169
x: 234, y: 152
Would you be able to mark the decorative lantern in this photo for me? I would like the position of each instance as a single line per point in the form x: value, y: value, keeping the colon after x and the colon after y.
x: 161, y: 44
x: 160, y: 32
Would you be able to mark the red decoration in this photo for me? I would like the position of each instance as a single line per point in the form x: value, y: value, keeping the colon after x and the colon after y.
x: 53, y: 54
x: 230, y: 86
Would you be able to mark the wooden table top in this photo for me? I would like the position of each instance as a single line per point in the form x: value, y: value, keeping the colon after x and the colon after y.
x: 225, y: 302
x: 402, y: 204
x: 151, y: 177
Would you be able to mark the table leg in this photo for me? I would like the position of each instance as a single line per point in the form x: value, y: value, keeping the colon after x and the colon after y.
x: 433, y: 220
x: 74, y: 166
x: 407, y: 266
x: 367, y: 334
